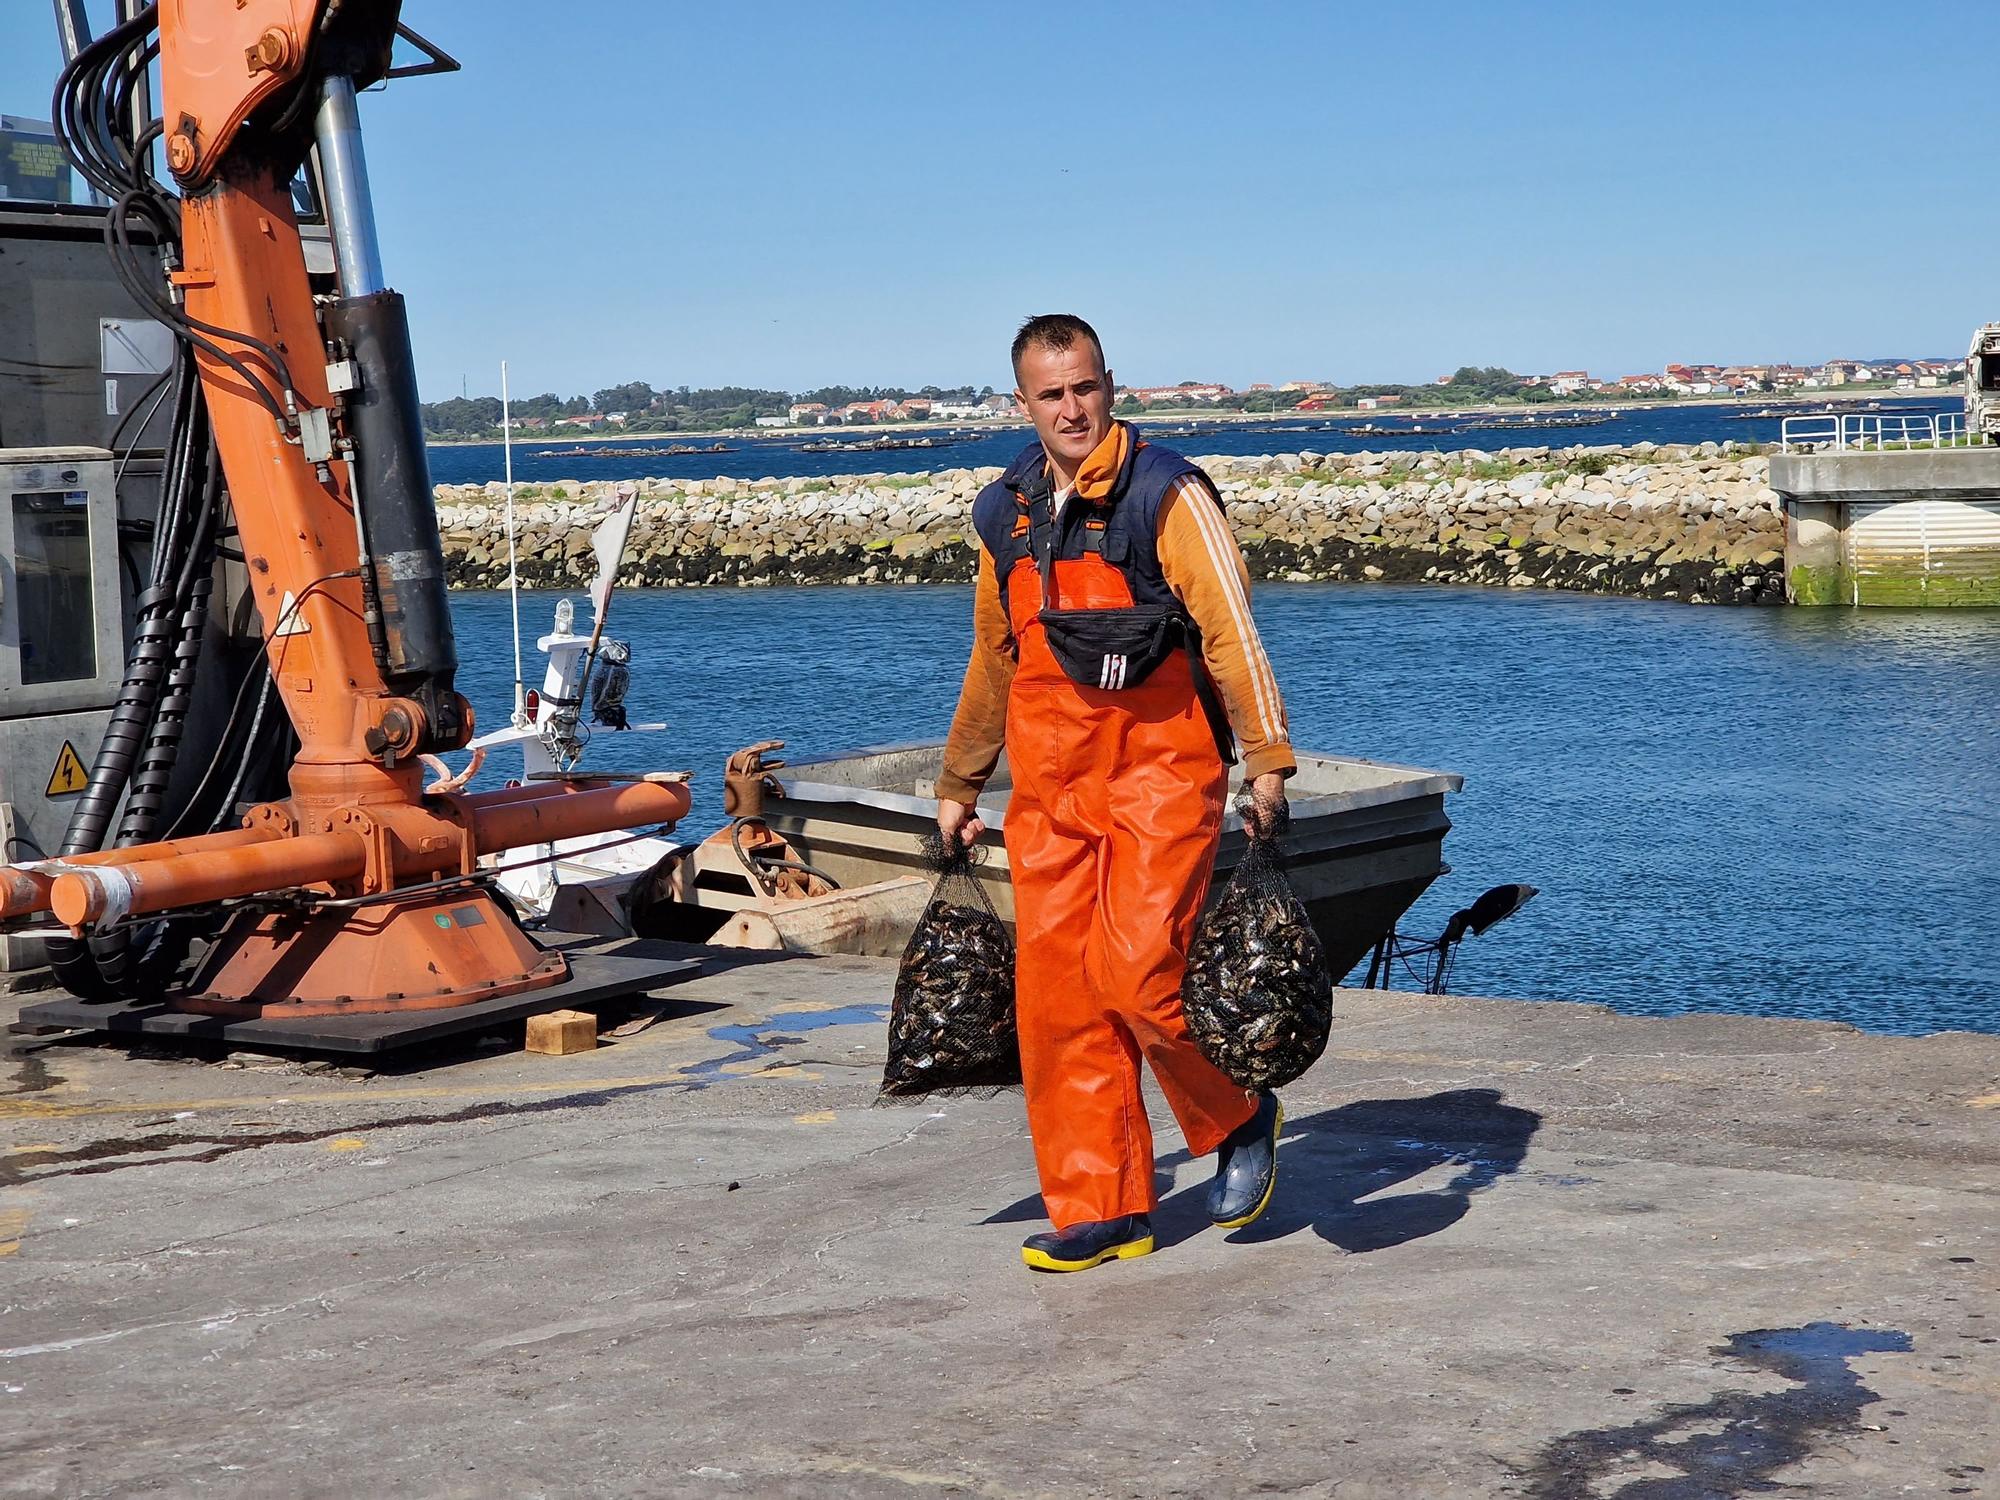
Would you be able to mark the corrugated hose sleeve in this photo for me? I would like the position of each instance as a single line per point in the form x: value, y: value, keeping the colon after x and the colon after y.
x: 979, y: 727
x: 1205, y: 570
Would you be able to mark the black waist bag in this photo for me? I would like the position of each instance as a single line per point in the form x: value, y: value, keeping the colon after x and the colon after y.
x: 1110, y: 649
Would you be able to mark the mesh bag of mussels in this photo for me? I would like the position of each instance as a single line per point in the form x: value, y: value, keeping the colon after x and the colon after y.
x: 1257, y: 995
x: 951, y: 1026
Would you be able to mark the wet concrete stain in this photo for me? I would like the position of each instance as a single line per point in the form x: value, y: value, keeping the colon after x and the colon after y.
x: 774, y: 1032
x: 33, y: 1075
x: 109, y: 1154
x: 162, y: 1148
x: 1734, y: 1442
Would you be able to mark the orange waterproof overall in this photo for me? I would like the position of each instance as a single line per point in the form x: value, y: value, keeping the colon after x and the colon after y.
x: 1111, y: 834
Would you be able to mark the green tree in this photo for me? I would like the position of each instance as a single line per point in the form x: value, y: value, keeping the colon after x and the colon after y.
x: 547, y: 406
x: 461, y: 415
x: 633, y: 396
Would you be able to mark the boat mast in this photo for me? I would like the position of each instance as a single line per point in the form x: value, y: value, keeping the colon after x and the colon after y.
x: 513, y: 572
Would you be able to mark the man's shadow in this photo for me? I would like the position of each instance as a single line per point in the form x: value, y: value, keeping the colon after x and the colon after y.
x: 1337, y: 1171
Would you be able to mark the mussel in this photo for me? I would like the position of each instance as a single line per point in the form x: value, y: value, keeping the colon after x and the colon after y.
x: 951, y: 1026
x: 1257, y: 995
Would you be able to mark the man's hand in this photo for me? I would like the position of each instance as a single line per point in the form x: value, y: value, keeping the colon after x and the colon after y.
x: 1267, y: 796
x: 959, y: 820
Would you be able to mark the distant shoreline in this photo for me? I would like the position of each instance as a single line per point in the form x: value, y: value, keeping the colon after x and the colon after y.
x: 542, y: 436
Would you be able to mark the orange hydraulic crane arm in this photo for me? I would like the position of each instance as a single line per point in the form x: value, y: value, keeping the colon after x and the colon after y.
x: 312, y: 406
x: 332, y: 502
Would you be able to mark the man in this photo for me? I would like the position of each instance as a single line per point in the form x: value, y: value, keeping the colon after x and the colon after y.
x: 1118, y: 784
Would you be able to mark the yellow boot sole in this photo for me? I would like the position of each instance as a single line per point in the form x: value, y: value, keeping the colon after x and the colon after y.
x: 1041, y: 1260
x: 1277, y: 1129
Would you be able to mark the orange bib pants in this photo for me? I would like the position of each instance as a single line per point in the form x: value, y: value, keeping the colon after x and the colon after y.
x: 1111, y: 833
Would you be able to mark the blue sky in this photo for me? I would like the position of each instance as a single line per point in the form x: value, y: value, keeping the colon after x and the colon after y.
x: 791, y: 195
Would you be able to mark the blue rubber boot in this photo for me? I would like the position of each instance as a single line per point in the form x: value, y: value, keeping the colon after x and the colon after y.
x: 1082, y: 1246
x: 1246, y: 1167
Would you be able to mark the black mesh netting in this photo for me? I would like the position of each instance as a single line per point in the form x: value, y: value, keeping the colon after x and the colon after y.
x: 951, y: 1027
x: 1257, y: 995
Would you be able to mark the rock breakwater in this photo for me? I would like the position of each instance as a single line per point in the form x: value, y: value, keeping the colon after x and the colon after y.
x: 1698, y: 524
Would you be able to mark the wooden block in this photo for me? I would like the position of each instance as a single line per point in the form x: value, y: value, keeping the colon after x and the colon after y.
x: 561, y: 1032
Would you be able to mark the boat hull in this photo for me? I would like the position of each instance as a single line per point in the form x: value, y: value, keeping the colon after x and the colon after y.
x: 1367, y: 838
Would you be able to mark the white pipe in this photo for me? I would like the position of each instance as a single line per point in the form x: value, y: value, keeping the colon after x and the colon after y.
x: 513, y: 573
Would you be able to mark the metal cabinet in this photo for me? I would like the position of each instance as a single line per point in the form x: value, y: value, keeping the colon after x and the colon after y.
x: 61, y: 631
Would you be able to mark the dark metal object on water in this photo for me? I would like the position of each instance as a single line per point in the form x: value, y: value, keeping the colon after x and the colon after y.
x: 608, y: 450
x: 1493, y: 906
x: 951, y: 1027
x: 1257, y: 995
x: 878, y: 445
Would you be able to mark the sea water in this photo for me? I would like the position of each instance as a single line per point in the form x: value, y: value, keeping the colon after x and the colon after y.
x: 1785, y: 812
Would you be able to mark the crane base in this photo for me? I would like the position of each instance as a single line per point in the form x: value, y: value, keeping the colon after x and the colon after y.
x: 422, y: 952
x: 596, y: 976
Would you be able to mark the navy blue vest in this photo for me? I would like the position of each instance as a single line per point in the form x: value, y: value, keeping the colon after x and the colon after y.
x: 1129, y: 540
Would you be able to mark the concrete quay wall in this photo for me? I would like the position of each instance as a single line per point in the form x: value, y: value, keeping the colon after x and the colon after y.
x: 1692, y: 523
x: 1517, y: 1249
x: 1904, y: 528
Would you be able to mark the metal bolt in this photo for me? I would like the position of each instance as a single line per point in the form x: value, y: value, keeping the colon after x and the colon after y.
x: 273, y: 51
x: 180, y: 151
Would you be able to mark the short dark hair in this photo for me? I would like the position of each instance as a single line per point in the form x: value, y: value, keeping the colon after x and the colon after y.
x: 1058, y: 331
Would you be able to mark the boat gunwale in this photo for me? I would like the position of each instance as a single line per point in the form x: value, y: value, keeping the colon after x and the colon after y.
x: 1406, y: 783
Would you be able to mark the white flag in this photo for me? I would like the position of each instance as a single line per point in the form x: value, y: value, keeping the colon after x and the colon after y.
x: 607, y: 545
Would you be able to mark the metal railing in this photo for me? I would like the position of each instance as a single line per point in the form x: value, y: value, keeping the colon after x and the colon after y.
x: 1874, y: 432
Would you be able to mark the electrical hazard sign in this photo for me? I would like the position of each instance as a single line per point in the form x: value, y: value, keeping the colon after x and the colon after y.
x: 69, y: 774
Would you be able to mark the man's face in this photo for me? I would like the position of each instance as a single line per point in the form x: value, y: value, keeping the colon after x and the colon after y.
x: 1067, y: 395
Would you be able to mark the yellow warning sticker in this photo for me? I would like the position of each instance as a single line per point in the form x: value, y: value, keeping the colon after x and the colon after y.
x: 69, y: 774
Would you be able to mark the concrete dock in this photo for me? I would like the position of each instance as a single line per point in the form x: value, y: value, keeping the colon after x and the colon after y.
x: 1518, y: 1249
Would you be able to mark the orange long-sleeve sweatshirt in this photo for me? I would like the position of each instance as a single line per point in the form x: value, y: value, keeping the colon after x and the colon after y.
x: 1205, y: 570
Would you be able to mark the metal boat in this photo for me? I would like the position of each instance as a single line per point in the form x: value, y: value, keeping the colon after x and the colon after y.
x: 1367, y: 837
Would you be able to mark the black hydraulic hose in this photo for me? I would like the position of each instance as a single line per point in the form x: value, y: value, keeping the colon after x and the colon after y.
x: 91, y: 127
x: 186, y: 568
x: 163, y: 742
x: 123, y: 262
x: 249, y: 757
x: 111, y: 952
x: 120, y: 108
x: 371, y: 586
x: 149, y: 401
x: 259, y: 750
x: 760, y: 865
x: 131, y: 714
x: 167, y: 519
x: 232, y: 747
x: 157, y: 660
x: 136, y: 757
x: 197, y: 559
x: 124, y: 736
x: 88, y: 68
